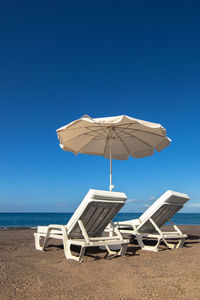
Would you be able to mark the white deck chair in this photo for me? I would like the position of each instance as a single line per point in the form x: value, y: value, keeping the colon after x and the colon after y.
x: 85, y: 227
x: 148, y: 226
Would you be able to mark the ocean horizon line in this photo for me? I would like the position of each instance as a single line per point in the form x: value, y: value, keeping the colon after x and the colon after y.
x: 34, y: 219
x: 71, y: 212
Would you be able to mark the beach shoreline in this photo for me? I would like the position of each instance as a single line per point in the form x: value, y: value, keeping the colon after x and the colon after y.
x: 30, y: 274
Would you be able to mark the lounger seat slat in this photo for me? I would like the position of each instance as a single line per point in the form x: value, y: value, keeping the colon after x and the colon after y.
x: 106, y: 214
x: 111, y: 214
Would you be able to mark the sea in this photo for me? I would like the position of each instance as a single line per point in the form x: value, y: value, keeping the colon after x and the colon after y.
x: 32, y: 220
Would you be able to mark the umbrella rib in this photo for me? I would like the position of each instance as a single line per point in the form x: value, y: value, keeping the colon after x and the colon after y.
x: 138, y: 139
x: 121, y: 126
x: 90, y: 131
x: 122, y: 142
x: 91, y: 139
x: 86, y: 133
x: 98, y: 127
x: 146, y: 131
x: 79, y: 151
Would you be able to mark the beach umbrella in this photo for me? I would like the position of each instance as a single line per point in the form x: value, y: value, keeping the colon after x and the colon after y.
x: 113, y: 137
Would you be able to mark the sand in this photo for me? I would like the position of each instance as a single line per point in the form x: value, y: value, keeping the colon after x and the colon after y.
x: 29, y: 274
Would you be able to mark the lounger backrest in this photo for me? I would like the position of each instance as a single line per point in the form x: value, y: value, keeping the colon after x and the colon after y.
x: 96, y: 210
x: 162, y: 210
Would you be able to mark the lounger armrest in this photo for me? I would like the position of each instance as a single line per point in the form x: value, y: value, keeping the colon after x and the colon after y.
x: 62, y: 228
x: 55, y: 226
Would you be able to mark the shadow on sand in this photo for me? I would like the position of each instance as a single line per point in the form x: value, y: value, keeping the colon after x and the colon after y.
x: 96, y: 253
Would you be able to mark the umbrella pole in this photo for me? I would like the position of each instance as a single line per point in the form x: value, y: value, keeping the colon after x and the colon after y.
x: 111, y: 186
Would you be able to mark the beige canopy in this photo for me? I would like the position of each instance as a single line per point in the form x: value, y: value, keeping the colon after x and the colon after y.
x: 113, y: 137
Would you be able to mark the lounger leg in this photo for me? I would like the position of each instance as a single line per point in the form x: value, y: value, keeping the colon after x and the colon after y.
x: 121, y: 252
x: 123, y: 249
x: 180, y: 243
x: 173, y: 245
x: 46, y: 238
x: 67, y: 250
x: 145, y: 247
x: 169, y: 245
x: 37, y: 241
x: 68, y: 254
x: 140, y: 241
x: 67, y: 247
x: 111, y: 252
x: 82, y: 252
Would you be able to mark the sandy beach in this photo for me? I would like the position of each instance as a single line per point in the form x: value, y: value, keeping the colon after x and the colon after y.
x: 29, y: 274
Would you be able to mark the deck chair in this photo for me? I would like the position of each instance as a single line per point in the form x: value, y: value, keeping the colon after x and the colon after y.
x: 148, y: 226
x: 85, y: 227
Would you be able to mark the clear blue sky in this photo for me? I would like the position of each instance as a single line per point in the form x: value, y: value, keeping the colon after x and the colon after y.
x: 61, y: 60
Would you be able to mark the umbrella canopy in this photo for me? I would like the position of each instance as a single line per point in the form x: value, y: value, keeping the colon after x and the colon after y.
x: 113, y: 137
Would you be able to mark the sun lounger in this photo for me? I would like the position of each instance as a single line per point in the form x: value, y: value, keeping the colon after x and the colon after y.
x: 148, y: 226
x: 85, y: 227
